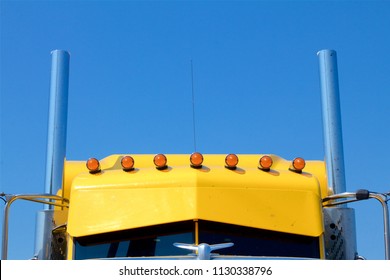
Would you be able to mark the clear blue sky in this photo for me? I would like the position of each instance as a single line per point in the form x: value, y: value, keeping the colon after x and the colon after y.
x: 256, y: 88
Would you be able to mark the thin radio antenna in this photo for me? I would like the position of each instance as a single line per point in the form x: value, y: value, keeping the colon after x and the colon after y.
x: 193, y: 104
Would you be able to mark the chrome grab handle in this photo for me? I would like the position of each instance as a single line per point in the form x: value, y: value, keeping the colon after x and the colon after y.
x: 383, y: 198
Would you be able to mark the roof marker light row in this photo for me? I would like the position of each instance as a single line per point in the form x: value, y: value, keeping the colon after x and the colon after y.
x: 196, y: 160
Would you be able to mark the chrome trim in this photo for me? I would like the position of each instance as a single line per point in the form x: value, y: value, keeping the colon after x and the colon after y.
x: 334, y: 200
x: 213, y: 257
x: 39, y: 198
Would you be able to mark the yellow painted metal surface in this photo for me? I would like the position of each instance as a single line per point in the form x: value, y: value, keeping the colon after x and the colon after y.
x: 112, y: 200
x: 70, y: 251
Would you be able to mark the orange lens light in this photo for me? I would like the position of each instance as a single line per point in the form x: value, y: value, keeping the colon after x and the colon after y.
x: 231, y: 161
x: 265, y: 163
x: 298, y: 164
x: 160, y: 161
x: 93, y: 165
x: 127, y: 163
x: 196, y: 160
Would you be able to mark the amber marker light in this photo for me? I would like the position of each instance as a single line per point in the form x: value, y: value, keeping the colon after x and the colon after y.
x: 196, y: 160
x: 93, y: 165
x: 265, y: 163
x: 298, y: 164
x: 127, y: 163
x: 231, y: 161
x: 160, y: 161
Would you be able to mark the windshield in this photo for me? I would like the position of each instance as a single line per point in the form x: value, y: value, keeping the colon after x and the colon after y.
x: 158, y: 241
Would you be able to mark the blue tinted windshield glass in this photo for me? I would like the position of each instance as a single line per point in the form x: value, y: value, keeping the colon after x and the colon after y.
x: 145, y: 242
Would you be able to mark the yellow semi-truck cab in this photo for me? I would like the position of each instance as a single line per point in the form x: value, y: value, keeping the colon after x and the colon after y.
x: 149, y: 210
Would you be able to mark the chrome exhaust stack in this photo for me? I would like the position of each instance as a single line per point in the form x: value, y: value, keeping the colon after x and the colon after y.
x: 55, y: 157
x: 339, y: 222
x: 331, y: 116
x: 58, y: 113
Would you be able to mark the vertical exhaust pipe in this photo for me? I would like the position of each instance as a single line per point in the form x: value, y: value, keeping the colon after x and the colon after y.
x: 331, y: 115
x: 58, y: 113
x: 56, y: 150
x: 344, y: 246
